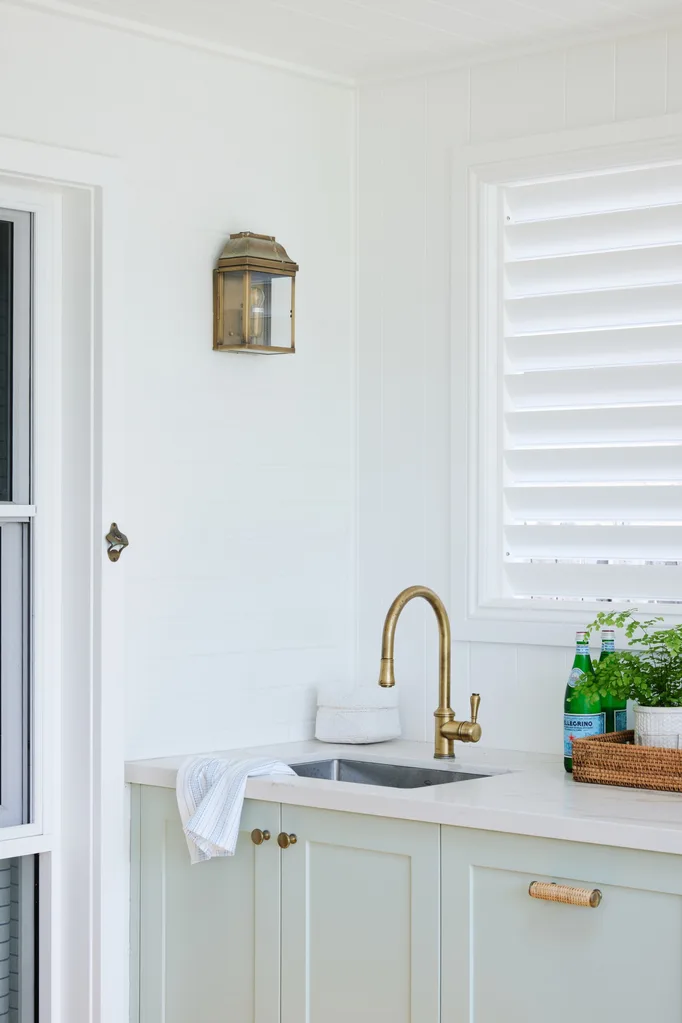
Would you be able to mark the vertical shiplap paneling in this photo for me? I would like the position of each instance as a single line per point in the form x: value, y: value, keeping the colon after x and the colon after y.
x: 374, y: 107
x: 492, y: 673
x: 406, y: 381
x: 522, y: 690
x: 405, y: 293
x: 674, y: 73
x: 494, y: 105
x: 392, y: 197
x: 525, y: 96
x: 590, y: 84
x: 447, y: 129
x: 461, y: 682
x: 641, y: 76
x: 537, y: 707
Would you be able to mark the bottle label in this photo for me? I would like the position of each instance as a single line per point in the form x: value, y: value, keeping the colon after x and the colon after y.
x: 620, y: 720
x: 576, y: 675
x: 582, y: 648
x: 608, y: 646
x: 579, y: 726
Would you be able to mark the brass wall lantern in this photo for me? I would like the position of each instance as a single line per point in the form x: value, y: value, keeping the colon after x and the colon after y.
x: 253, y: 291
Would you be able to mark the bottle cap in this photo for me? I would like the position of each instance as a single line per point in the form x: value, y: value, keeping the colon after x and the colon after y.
x: 580, y: 637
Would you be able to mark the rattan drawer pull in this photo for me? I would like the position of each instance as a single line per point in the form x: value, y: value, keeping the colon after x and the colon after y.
x: 590, y: 897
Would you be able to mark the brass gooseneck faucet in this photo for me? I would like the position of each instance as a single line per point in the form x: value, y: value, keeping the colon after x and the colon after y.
x: 447, y: 729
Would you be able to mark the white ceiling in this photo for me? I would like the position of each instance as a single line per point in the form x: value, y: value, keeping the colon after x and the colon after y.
x: 360, y: 38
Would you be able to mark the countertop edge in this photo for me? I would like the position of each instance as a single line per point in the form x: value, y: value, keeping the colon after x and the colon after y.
x: 541, y: 777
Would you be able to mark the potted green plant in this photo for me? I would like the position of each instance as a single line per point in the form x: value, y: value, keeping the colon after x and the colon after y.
x: 649, y: 672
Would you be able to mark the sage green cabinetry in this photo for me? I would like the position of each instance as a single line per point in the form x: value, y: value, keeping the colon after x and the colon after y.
x: 507, y: 956
x: 371, y: 919
x: 360, y: 919
x: 341, y: 925
x: 206, y: 937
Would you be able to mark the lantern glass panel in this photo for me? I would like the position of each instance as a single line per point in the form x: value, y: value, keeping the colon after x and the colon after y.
x: 270, y: 310
x: 233, y: 308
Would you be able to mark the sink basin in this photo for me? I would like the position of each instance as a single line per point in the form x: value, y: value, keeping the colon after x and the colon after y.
x: 391, y: 775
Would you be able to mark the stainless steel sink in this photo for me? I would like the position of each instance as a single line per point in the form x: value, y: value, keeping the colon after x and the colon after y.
x: 391, y: 775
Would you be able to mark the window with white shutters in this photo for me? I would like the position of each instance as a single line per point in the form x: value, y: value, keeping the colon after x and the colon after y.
x: 588, y: 388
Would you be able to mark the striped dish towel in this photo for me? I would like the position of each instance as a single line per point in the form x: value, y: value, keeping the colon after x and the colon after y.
x: 210, y: 794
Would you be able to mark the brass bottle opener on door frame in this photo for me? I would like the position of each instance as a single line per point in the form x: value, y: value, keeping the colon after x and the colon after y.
x: 117, y: 541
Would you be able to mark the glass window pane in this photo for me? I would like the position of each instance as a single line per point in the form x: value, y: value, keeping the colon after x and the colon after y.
x: 15, y: 356
x: 6, y: 264
x: 14, y: 670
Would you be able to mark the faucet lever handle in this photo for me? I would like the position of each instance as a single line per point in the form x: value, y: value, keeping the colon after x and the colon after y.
x: 475, y: 704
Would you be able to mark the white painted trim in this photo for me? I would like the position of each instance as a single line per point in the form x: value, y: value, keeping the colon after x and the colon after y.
x: 479, y: 613
x: 102, y: 907
x: 516, y: 50
x: 64, y: 9
x: 27, y: 845
x: 415, y: 69
x: 355, y: 391
x: 46, y: 471
x: 16, y: 512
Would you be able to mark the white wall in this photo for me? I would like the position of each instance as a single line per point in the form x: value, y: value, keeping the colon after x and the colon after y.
x: 239, y: 495
x: 409, y: 132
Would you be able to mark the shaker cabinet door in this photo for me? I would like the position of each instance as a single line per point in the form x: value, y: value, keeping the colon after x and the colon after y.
x: 208, y: 934
x: 507, y: 956
x: 360, y: 919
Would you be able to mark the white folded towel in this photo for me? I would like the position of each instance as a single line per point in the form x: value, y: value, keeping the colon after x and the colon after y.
x: 210, y: 793
x: 359, y: 715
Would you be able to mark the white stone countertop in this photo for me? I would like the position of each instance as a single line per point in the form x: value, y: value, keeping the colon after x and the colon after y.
x: 527, y: 794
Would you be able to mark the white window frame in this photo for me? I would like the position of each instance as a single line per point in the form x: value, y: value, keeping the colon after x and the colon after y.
x: 79, y: 810
x: 479, y: 613
x: 46, y: 527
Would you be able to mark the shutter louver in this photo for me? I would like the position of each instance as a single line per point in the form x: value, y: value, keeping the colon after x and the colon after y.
x: 591, y: 474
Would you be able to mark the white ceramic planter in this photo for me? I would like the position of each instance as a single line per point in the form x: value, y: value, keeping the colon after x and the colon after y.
x: 658, y: 726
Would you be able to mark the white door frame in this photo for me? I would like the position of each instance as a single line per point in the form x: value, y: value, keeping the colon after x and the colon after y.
x: 86, y: 867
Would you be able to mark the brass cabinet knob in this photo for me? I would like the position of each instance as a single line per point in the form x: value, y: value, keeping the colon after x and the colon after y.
x: 284, y: 840
x: 258, y: 836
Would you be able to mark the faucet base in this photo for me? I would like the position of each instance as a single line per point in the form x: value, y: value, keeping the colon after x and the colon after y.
x: 444, y: 746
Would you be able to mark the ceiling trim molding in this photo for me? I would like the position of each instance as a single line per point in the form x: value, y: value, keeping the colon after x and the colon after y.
x: 412, y: 70
x: 127, y: 25
x: 493, y: 55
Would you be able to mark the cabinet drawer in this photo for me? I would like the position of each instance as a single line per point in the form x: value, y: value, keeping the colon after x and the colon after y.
x: 507, y: 956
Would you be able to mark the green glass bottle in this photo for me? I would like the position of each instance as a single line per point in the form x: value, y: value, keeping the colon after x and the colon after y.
x: 615, y: 711
x: 583, y: 715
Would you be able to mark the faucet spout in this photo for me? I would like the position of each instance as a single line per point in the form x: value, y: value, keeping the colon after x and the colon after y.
x: 447, y: 729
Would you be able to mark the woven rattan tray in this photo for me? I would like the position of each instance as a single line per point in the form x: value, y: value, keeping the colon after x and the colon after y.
x: 615, y: 760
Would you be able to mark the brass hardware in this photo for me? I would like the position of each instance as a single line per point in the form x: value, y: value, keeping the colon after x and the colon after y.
x: 243, y: 296
x: 117, y: 541
x: 551, y: 892
x: 466, y: 731
x: 258, y: 836
x: 284, y: 840
x: 447, y: 729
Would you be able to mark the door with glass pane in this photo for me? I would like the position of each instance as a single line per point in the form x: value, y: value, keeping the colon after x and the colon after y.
x: 16, y: 513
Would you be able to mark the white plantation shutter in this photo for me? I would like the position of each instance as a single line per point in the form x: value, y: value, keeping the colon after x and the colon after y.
x: 590, y: 473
